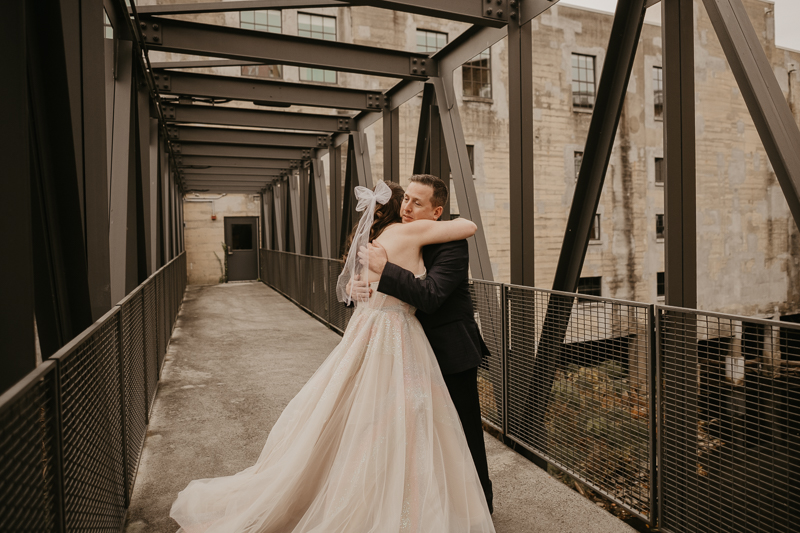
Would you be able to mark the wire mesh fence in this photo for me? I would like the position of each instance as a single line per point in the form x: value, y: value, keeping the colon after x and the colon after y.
x: 730, y: 413
x: 72, y: 431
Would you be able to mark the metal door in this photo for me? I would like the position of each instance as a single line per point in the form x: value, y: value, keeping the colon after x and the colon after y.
x: 241, y: 237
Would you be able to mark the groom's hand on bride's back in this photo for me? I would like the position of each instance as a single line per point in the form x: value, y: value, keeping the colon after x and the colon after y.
x: 374, y: 257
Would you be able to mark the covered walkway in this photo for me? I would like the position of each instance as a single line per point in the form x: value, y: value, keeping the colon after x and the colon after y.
x: 238, y: 354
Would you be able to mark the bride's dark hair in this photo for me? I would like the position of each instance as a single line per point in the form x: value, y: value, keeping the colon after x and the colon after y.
x: 385, y: 214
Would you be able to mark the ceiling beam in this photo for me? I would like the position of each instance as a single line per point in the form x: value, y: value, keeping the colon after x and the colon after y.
x: 221, y: 7
x: 199, y: 161
x: 266, y: 92
x: 235, y: 150
x: 233, y: 171
x: 189, y: 134
x: 204, y: 63
x: 184, y: 37
x: 236, y: 116
x: 224, y: 178
x: 481, y: 13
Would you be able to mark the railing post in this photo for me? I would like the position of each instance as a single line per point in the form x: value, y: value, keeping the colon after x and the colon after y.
x: 121, y: 361
x: 654, y: 434
x: 504, y: 353
x: 58, y: 447
x: 656, y: 418
x: 144, y: 359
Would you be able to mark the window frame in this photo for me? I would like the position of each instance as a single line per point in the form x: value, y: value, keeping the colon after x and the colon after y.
x: 306, y: 74
x: 595, y: 230
x: 473, y: 67
x: 580, y: 94
x: 429, y: 49
x: 577, y: 161
x: 659, y: 171
x: 254, y: 71
x: 658, y: 93
x: 660, y: 284
x: 663, y: 224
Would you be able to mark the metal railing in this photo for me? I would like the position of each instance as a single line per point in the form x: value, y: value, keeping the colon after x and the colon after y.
x: 72, y: 431
x: 687, y: 419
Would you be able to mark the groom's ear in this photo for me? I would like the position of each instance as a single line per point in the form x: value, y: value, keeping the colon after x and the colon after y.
x: 437, y: 212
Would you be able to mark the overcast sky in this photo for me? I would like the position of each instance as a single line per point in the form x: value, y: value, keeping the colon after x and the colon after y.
x: 787, y: 14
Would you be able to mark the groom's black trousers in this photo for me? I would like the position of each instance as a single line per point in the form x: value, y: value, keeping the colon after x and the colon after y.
x: 463, y: 388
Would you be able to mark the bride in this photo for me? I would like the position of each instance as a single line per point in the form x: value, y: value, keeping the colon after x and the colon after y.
x: 372, y: 443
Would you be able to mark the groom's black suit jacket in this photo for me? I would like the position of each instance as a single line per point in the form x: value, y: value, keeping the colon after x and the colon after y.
x: 444, y: 306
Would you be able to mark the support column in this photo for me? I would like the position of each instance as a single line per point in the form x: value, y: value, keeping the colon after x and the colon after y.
x: 680, y: 204
x: 321, y: 206
x: 391, y: 145
x: 480, y: 265
x: 335, y: 160
x: 438, y: 163
x: 294, y: 199
x: 520, y: 140
x: 144, y: 125
x: 305, y: 213
x: 621, y: 51
x: 120, y: 170
x: 363, y: 167
x: 422, y: 150
x: 152, y: 196
x: 18, y: 356
x: 278, y: 190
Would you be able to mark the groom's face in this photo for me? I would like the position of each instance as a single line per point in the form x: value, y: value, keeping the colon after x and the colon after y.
x: 417, y: 204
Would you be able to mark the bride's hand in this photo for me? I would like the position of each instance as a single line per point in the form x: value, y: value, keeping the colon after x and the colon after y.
x: 358, y: 290
x: 374, y: 257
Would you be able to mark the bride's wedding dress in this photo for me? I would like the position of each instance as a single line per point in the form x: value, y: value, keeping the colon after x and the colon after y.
x: 372, y: 443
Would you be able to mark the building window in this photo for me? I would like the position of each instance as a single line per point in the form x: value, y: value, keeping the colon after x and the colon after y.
x: 317, y: 27
x: 658, y: 93
x: 582, y: 81
x: 594, y: 229
x: 660, y: 284
x: 471, y: 155
x: 268, y: 20
x: 659, y: 171
x: 577, y: 159
x: 477, y: 76
x: 659, y: 226
x: 109, y: 29
x: 430, y: 42
x: 590, y: 286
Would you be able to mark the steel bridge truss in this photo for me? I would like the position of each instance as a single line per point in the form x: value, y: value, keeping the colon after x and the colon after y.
x: 101, y: 145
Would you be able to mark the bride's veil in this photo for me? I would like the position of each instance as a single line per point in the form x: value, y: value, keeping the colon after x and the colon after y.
x: 367, y: 201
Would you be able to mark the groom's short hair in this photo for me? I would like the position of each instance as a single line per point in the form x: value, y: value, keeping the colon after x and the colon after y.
x: 439, y: 197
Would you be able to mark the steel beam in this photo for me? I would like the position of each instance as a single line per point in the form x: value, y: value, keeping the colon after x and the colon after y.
x: 438, y: 163
x: 231, y: 171
x: 120, y: 171
x: 362, y: 167
x: 152, y: 196
x: 422, y: 164
x: 203, y: 63
x: 266, y: 214
x: 293, y: 189
x: 236, y: 116
x: 322, y: 216
x: 391, y: 145
x: 484, y: 13
x: 680, y: 183
x: 242, y: 5
x: 227, y: 177
x: 249, y: 185
x: 144, y: 149
x: 189, y: 134
x: 278, y: 192
x: 266, y: 92
x: 183, y: 37
x: 620, y: 55
x: 480, y: 264
x: 520, y: 137
x: 17, y: 308
x: 348, y: 199
x: 235, y: 150
x: 771, y: 115
x: 200, y: 162
x: 335, y: 161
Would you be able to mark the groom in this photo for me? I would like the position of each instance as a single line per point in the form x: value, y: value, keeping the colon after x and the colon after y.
x: 444, y: 308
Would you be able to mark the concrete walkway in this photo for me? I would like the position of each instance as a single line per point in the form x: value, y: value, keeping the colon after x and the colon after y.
x: 238, y: 354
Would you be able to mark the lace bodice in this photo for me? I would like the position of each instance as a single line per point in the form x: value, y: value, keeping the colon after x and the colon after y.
x: 384, y: 302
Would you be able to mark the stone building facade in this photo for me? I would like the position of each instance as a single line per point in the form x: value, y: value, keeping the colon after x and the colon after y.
x: 748, y: 244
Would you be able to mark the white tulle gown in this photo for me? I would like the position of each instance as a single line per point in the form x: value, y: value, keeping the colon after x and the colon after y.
x: 372, y: 443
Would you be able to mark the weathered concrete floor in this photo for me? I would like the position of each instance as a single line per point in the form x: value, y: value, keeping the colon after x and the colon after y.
x: 238, y: 354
